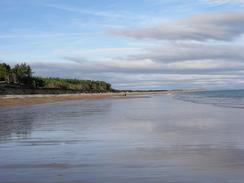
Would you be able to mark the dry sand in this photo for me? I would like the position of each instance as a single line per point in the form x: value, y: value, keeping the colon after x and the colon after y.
x: 15, y: 100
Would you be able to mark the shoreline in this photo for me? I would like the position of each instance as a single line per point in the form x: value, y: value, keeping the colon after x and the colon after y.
x: 19, y: 100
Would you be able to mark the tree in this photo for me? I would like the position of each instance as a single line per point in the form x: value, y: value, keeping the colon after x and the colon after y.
x: 22, y: 73
x: 5, y: 72
x: 38, y: 82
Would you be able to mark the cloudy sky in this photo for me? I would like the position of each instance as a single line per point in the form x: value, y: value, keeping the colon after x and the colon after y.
x: 133, y: 44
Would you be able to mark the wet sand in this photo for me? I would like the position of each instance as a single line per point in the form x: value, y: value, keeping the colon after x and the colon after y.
x: 139, y: 139
x: 16, y: 100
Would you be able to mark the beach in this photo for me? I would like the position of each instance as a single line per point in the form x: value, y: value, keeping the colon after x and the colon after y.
x: 16, y: 100
x: 139, y: 139
x: 141, y: 91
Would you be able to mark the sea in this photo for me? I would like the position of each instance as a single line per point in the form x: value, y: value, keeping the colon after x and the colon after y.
x: 221, y: 98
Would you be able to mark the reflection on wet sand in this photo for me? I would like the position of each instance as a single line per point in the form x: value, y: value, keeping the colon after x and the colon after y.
x: 19, y: 126
x: 143, y: 139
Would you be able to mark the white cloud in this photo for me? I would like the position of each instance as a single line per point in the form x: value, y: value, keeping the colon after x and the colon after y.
x: 85, y: 11
x: 143, y: 66
x: 209, y: 26
x: 99, y: 52
x: 193, y: 51
x: 135, y: 81
x: 221, y: 2
x: 41, y: 35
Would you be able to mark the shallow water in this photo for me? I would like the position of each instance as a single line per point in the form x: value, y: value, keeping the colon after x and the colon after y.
x: 222, y: 98
x: 122, y: 139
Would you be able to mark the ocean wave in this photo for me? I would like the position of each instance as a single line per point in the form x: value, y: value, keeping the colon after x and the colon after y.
x: 229, y: 98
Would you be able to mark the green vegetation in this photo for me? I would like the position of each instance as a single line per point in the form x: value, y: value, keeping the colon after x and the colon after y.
x: 21, y: 74
x: 73, y: 84
x: 5, y: 72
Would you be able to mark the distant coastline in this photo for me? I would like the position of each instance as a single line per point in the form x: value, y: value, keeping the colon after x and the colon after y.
x: 19, y: 87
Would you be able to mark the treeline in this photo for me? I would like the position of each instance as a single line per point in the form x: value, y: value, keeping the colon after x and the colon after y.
x: 21, y: 74
x: 73, y: 84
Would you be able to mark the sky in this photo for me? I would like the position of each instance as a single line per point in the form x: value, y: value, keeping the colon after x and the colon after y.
x: 133, y: 44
